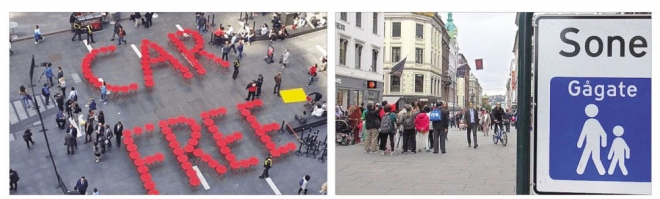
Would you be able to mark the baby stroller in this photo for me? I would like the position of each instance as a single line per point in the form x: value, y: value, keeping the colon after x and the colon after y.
x: 344, y: 131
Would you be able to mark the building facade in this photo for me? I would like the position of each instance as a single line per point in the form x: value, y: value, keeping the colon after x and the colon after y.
x: 463, y: 81
x: 422, y: 39
x: 359, y: 60
x: 475, y: 91
x: 452, y: 31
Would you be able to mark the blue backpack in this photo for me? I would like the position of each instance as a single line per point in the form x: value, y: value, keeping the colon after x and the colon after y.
x: 435, y: 115
x: 301, y: 182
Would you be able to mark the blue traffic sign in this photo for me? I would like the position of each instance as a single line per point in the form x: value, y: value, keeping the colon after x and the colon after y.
x: 600, y: 129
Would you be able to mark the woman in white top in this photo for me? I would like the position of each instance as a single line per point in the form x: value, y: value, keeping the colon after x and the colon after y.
x: 485, y: 123
x: 37, y: 35
x: 62, y: 85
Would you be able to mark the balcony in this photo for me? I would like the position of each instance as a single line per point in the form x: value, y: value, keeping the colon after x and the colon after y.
x: 446, y: 80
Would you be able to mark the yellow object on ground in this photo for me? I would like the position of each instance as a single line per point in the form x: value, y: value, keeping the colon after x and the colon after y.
x: 293, y: 95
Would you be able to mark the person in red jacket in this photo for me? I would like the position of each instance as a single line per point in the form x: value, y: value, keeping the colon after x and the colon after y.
x: 422, y: 126
x: 252, y: 90
x: 312, y: 73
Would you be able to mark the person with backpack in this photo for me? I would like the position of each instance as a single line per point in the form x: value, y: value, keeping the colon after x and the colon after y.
x: 440, y: 126
x: 13, y: 180
x: 120, y: 34
x: 422, y: 127
x: 387, y: 129
x: 303, y: 184
x: 46, y: 93
x: 372, y: 122
x: 59, y: 120
x: 27, y: 136
x: 407, y: 126
x: 73, y: 95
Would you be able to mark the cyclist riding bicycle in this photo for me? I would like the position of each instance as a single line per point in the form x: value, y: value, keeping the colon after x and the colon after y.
x: 497, y: 114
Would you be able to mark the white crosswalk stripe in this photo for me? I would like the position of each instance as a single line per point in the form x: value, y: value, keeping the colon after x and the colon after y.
x: 19, y: 113
x: 273, y: 187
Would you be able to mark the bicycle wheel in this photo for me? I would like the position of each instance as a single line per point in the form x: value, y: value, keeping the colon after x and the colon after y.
x: 504, y: 138
x: 495, y: 139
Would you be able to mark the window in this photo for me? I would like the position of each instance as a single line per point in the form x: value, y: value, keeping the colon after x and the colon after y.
x: 343, y: 16
x: 396, y: 54
x: 395, y: 84
x: 374, y: 60
x: 419, y: 31
x: 396, y: 29
x: 343, y: 44
x: 375, y: 24
x: 358, y: 55
x: 419, y: 83
x: 358, y: 19
x: 419, y: 55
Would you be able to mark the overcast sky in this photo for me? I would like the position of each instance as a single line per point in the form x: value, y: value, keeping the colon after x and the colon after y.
x: 487, y: 36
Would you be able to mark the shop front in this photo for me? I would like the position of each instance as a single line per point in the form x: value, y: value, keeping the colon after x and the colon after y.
x: 353, y: 91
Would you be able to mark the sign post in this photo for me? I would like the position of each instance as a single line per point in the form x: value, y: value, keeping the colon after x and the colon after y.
x: 593, y: 97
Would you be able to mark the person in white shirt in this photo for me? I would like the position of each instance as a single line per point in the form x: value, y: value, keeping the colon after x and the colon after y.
x: 318, y: 111
x: 37, y: 35
x: 73, y: 95
x: 264, y: 29
x: 231, y: 30
x: 303, y: 186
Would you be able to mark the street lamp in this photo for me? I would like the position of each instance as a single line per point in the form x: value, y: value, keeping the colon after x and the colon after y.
x: 60, y: 183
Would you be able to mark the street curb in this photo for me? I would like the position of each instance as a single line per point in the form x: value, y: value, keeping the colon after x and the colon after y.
x: 256, y: 39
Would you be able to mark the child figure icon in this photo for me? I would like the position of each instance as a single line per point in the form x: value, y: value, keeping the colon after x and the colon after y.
x: 618, y: 150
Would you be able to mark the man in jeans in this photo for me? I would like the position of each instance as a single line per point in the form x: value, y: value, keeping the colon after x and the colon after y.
x: 372, y: 123
x: 498, y: 114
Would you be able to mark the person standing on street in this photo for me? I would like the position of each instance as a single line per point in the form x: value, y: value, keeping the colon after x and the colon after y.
x: 440, y: 128
x: 485, y: 122
x: 89, y: 128
x: 312, y: 74
x: 62, y: 84
x: 90, y: 34
x: 240, y: 49
x: 237, y: 64
x: 81, y: 185
x: 69, y: 141
x: 116, y: 30
x: 136, y: 17
x: 49, y: 74
x: 372, y: 124
x: 303, y: 184
x: 60, y: 73
x: 267, y: 164
x: 27, y: 136
x: 37, y: 35
x: 46, y: 93
x: 201, y: 24
x: 252, y: 90
x: 97, y: 151
x: 422, y: 126
x: 284, y: 60
x: 59, y: 119
x: 278, y: 83
x: 260, y: 81
x: 121, y: 33
x: 77, y: 27
x: 225, y: 51
x: 148, y: 16
x: 13, y: 180
x: 73, y: 131
x: 118, y: 130
x: 104, y: 93
x: 472, y: 121
x: 408, y: 123
x: 59, y: 98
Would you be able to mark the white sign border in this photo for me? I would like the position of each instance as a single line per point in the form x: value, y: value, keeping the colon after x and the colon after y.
x: 540, y: 173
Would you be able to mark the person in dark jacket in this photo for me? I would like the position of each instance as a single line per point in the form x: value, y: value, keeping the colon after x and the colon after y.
x: 78, y: 29
x: 81, y: 185
x: 89, y: 129
x: 59, y: 119
x: 225, y: 51
x: 118, y: 130
x: 252, y: 90
x: 90, y: 34
x: 74, y: 132
x: 101, y: 117
x: 69, y: 141
x: 267, y: 164
x: 116, y: 30
x: 27, y: 136
x: 59, y: 99
x: 440, y: 128
x: 137, y: 17
x: 100, y: 136
x: 237, y: 64
x: 373, y: 123
x: 497, y: 115
x: 260, y: 81
x: 278, y: 83
x: 148, y: 16
x: 13, y: 180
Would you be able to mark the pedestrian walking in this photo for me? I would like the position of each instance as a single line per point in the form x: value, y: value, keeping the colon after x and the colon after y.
x: 387, y: 129
x: 81, y: 185
x: 225, y: 51
x: 59, y: 120
x: 90, y: 34
x: 73, y: 131
x: 97, y: 151
x: 148, y: 16
x: 46, y: 93
x: 284, y: 60
x: 121, y: 33
x: 485, y: 122
x: 100, y: 136
x: 27, y: 136
x: 237, y: 64
x: 13, y: 180
x: 89, y: 129
x: 69, y: 141
x: 303, y: 184
x: 312, y: 73
x: 77, y: 28
x: 37, y: 35
x: 278, y: 83
x: 116, y: 30
x: 240, y: 49
x: 472, y: 121
x: 267, y: 164
x: 119, y: 131
x: 201, y: 23
x: 62, y: 84
x: 260, y: 81
x: 73, y: 95
x: 324, y: 188
x: 108, y: 136
x: 26, y: 98
x: 104, y: 93
x: 49, y: 74
x: 136, y: 17
x: 60, y: 73
x: 372, y: 122
x: 440, y: 128
x: 252, y: 90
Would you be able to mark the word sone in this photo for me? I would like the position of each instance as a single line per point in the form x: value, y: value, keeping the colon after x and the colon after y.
x: 634, y: 43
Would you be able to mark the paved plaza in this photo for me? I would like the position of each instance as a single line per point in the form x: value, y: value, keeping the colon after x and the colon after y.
x: 487, y: 170
x: 171, y: 96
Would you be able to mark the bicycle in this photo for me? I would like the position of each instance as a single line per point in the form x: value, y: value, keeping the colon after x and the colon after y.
x: 500, y: 135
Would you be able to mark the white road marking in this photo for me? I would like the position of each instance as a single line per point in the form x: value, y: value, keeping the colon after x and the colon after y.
x: 13, y: 118
x: 139, y: 54
x: 272, y: 186
x: 76, y: 78
x: 201, y: 178
x: 318, y: 47
x: 87, y: 45
x: 20, y: 110
x: 181, y: 29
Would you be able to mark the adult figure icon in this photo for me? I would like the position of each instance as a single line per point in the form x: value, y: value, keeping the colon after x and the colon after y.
x: 592, y: 137
x: 618, y: 149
